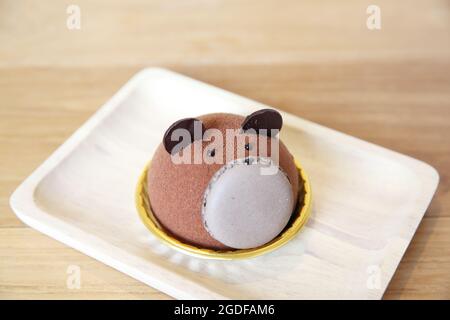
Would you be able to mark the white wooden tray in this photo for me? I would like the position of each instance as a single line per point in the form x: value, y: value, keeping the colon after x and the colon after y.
x: 367, y: 201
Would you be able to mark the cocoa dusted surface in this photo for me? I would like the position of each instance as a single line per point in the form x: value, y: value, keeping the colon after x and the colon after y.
x: 176, y: 190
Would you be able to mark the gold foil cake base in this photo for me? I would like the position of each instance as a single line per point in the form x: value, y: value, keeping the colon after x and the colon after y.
x: 298, y: 220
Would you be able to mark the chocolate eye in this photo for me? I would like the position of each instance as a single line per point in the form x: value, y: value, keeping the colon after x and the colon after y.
x: 248, y: 146
x: 211, y: 152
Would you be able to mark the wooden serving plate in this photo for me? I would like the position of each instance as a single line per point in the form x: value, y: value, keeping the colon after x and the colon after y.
x: 368, y: 201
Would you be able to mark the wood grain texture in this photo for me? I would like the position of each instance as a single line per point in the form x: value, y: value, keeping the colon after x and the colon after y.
x: 226, y: 31
x: 318, y: 61
x: 368, y: 201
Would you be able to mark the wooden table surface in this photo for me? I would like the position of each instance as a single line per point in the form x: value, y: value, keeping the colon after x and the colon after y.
x: 316, y: 59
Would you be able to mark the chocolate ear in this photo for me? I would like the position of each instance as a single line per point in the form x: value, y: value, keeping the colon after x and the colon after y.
x: 268, y: 119
x: 188, y: 124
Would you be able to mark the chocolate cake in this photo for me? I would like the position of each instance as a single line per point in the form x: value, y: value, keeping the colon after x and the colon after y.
x: 225, y: 200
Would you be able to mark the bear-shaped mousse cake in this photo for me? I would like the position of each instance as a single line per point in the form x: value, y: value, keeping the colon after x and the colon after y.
x: 222, y: 181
